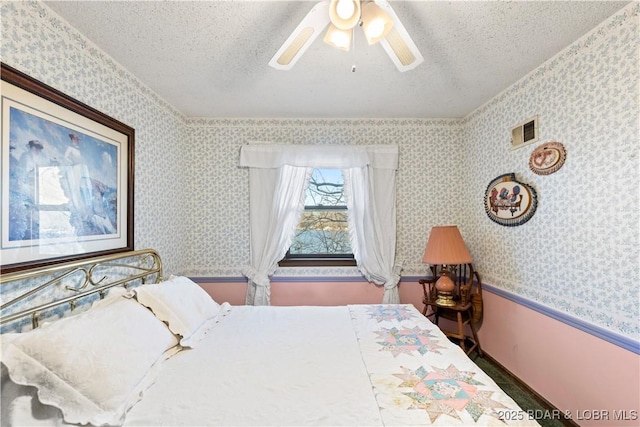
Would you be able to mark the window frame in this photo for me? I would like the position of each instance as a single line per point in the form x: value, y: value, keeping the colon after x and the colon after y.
x: 319, y: 260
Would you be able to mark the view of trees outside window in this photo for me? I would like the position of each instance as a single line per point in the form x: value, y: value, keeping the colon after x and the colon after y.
x: 322, y: 230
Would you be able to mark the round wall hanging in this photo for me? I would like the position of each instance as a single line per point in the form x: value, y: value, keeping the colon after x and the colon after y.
x: 547, y: 158
x: 510, y: 202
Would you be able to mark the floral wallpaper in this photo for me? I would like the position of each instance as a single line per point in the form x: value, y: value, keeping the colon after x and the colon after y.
x: 578, y: 254
x: 39, y: 43
x: 429, y: 158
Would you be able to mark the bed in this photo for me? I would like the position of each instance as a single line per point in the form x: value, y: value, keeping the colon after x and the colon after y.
x: 150, y: 351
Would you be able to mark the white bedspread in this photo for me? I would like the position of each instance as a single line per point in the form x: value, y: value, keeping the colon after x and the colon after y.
x: 266, y: 366
x: 360, y: 365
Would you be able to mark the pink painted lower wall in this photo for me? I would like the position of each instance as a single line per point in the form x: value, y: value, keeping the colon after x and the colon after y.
x: 315, y: 293
x: 595, y: 382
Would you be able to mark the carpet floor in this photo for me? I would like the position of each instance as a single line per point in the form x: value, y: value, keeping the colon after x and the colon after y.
x: 523, y: 397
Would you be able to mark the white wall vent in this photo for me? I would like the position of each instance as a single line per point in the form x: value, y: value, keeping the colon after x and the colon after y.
x: 525, y: 133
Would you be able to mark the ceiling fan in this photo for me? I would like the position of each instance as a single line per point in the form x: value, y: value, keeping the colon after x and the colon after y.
x: 377, y: 19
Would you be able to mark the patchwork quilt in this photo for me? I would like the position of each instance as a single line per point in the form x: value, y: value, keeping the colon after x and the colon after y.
x: 419, y: 378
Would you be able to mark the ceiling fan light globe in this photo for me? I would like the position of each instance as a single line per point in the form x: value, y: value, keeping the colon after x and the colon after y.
x: 376, y: 29
x: 376, y: 24
x: 345, y: 9
x: 338, y: 38
x: 344, y: 14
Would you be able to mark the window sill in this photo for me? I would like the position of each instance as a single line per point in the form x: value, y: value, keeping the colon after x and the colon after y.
x: 318, y: 262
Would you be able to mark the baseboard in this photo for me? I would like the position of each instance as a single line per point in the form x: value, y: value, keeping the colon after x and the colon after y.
x: 541, y: 400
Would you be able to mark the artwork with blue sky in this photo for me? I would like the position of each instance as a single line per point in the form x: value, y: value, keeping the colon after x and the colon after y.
x: 63, y: 181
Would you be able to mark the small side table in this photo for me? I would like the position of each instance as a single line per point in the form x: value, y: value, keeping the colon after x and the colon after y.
x: 461, y: 313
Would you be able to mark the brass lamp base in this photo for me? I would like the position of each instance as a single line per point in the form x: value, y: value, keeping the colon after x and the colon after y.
x: 445, y: 287
x: 445, y: 299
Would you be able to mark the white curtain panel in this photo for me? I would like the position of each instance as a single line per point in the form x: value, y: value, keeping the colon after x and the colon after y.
x: 276, y: 200
x: 278, y: 177
x: 371, y: 202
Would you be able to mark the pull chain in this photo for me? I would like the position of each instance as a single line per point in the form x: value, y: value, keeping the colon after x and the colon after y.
x: 353, y: 48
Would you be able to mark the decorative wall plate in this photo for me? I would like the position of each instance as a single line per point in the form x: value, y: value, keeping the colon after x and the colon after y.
x: 510, y: 202
x: 547, y: 158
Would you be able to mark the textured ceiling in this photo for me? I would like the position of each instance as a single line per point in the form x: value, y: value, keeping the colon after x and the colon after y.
x: 210, y: 58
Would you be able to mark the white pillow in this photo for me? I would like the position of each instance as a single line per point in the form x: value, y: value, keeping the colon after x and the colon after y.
x: 183, y: 305
x: 93, y: 366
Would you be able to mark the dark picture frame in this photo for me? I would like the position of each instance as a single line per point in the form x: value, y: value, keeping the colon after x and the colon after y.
x: 510, y: 202
x: 67, y: 175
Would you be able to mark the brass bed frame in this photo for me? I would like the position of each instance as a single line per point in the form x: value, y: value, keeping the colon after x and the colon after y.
x: 88, y: 276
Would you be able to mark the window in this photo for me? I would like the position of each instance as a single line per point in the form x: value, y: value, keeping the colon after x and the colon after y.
x: 322, y: 236
x: 278, y: 174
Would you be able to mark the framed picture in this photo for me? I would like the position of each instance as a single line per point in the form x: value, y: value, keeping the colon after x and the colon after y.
x: 547, y: 158
x: 510, y: 202
x: 67, y: 177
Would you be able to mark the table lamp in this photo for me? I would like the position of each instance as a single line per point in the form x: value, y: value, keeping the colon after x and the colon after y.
x: 445, y: 247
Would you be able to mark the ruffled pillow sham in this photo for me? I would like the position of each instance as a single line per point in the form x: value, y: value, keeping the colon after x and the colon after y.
x: 187, y: 309
x: 95, y: 365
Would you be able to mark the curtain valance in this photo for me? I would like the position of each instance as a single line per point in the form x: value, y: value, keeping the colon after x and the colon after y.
x: 268, y: 156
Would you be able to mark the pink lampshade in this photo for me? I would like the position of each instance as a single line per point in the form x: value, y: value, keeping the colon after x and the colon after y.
x: 445, y: 246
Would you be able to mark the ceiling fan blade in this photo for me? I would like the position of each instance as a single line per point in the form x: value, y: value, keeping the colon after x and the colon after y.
x: 305, y: 33
x: 398, y: 44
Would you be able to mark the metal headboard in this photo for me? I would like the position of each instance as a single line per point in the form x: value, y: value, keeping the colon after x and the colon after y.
x: 92, y: 277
